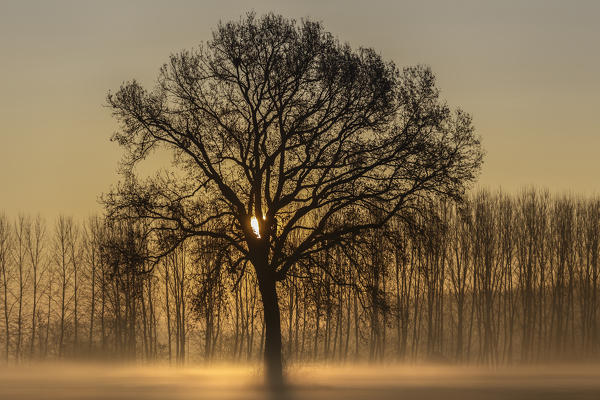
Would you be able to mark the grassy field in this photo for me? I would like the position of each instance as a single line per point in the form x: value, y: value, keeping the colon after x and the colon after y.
x: 85, y: 381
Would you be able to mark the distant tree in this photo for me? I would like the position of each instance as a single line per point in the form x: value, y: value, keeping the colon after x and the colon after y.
x: 275, y: 123
x: 123, y: 250
x: 35, y: 250
x: 63, y: 236
x: 6, y: 248
x: 22, y: 232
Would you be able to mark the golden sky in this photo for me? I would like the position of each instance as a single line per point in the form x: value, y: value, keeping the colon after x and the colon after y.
x: 527, y: 70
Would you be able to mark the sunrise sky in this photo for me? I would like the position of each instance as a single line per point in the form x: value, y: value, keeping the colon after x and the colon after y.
x: 526, y: 70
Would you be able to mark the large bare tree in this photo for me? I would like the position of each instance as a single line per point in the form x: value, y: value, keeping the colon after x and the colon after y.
x: 277, y: 130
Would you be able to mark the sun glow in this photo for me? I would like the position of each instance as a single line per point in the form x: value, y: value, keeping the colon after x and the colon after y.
x: 254, y: 224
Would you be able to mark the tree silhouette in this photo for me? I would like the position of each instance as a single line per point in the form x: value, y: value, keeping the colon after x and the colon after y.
x: 275, y: 123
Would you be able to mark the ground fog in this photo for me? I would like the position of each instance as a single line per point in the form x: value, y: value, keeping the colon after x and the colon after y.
x: 88, y: 381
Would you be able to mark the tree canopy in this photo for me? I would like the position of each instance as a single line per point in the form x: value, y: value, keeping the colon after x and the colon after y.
x: 279, y: 120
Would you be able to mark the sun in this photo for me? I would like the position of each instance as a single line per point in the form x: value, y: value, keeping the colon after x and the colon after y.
x: 255, y: 228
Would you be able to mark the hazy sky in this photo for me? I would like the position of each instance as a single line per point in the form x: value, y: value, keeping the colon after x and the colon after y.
x: 526, y: 70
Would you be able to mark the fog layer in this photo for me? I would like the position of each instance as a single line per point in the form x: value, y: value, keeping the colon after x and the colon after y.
x: 104, y: 381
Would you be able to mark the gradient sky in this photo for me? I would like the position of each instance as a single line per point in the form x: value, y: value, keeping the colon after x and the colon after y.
x: 526, y: 70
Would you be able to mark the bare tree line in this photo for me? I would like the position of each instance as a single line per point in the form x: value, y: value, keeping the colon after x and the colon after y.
x: 497, y: 279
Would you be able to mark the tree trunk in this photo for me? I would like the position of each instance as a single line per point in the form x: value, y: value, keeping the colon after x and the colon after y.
x: 168, y: 313
x: 6, y: 311
x: 273, y: 362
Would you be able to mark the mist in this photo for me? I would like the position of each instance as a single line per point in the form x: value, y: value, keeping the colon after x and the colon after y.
x: 55, y: 381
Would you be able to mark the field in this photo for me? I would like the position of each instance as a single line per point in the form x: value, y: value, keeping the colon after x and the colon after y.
x: 87, y: 381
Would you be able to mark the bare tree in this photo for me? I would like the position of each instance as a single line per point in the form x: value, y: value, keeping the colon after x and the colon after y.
x: 6, y: 247
x: 35, y: 249
x: 91, y: 248
x: 274, y: 123
x: 63, y: 239
x: 22, y: 232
